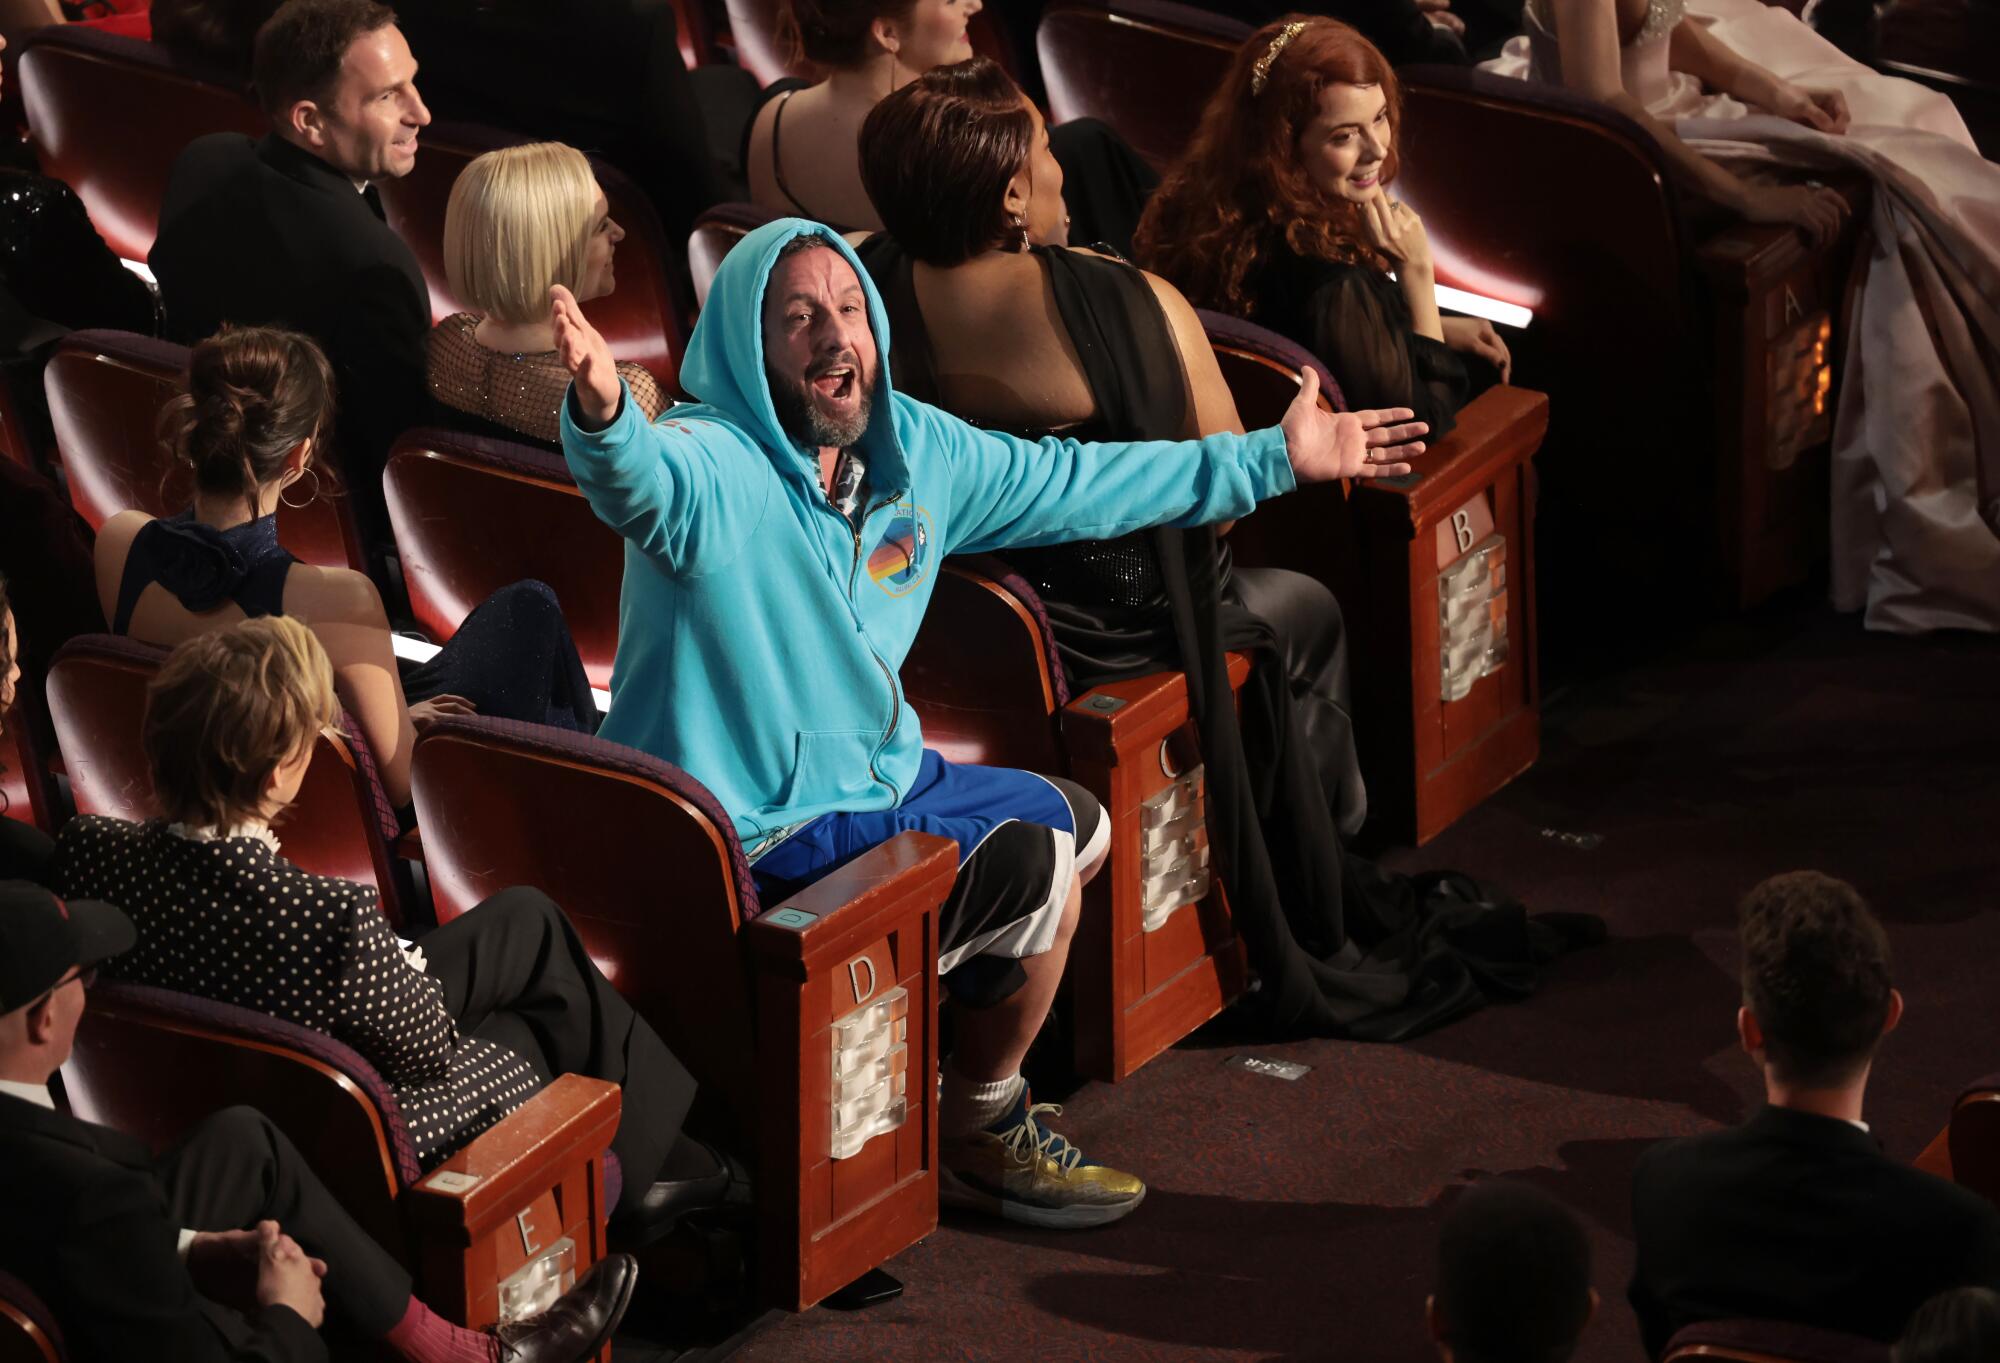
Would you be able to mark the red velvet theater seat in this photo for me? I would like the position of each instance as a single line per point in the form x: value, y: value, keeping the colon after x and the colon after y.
x: 1435, y: 576
x: 1973, y: 1138
x: 1692, y: 366
x: 107, y: 115
x: 984, y: 676
x: 769, y: 1007
x: 340, y: 825
x: 153, y: 1063
x: 1769, y: 1341
x: 28, y: 1332
x: 473, y: 514
x: 715, y: 232
x: 105, y: 391
x: 1091, y: 54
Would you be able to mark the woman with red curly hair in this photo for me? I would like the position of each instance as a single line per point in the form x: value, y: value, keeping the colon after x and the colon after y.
x: 1281, y: 212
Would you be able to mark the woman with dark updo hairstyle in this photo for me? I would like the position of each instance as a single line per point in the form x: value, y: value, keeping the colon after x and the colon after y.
x: 996, y: 321
x: 1280, y: 212
x: 800, y: 151
x: 248, y: 429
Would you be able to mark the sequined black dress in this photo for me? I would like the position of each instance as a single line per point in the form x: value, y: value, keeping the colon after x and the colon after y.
x: 512, y: 657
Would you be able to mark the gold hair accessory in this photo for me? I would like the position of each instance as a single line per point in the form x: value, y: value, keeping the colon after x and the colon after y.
x: 1261, y: 72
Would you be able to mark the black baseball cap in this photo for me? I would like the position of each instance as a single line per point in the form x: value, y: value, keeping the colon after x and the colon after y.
x: 42, y: 938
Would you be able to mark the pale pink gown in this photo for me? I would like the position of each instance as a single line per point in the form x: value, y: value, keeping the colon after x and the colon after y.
x: 1916, y: 444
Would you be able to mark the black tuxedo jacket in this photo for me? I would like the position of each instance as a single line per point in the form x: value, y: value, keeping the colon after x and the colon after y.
x: 266, y: 234
x: 1797, y: 1217
x: 86, y: 1225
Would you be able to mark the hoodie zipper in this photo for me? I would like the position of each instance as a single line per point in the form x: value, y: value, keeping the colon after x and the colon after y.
x: 853, y: 585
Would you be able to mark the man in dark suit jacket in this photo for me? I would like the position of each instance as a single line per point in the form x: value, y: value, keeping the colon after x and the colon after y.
x: 289, y: 231
x: 1797, y: 1215
x: 98, y: 1228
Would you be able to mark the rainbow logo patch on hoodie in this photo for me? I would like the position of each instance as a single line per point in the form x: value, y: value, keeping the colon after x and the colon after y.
x: 900, y: 560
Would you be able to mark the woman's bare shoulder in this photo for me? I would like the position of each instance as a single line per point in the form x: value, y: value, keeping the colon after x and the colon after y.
x: 333, y: 596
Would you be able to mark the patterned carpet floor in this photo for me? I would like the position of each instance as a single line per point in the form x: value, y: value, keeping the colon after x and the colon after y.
x: 1296, y: 1220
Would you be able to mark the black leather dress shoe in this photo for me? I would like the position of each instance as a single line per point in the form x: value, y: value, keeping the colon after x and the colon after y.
x: 580, y: 1321
x: 672, y: 1198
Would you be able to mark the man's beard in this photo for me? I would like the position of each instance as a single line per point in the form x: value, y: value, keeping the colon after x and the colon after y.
x: 806, y: 423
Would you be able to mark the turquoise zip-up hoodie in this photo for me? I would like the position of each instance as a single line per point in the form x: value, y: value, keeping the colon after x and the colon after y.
x: 759, y: 633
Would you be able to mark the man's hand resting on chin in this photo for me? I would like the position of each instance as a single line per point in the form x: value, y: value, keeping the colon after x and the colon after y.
x: 1328, y: 445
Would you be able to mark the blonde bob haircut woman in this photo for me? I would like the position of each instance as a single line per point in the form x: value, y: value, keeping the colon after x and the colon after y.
x: 520, y: 219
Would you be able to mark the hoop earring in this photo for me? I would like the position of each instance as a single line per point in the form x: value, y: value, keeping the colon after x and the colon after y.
x: 300, y: 506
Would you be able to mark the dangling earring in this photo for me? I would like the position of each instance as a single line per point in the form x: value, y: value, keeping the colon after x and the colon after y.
x: 300, y: 506
x: 1017, y: 223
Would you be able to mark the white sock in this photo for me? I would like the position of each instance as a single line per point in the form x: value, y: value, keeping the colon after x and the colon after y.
x: 965, y: 1106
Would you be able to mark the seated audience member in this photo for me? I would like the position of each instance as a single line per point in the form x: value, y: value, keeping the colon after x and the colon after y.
x: 800, y: 151
x: 1959, y: 1326
x: 1513, y: 1280
x: 89, y: 1219
x: 25, y: 850
x: 1280, y: 212
x: 1001, y: 325
x: 250, y: 426
x: 289, y: 231
x: 748, y: 517
x: 1797, y: 1215
x: 520, y: 220
x: 477, y: 1016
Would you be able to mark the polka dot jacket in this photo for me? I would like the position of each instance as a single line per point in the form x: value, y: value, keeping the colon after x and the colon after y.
x: 231, y: 920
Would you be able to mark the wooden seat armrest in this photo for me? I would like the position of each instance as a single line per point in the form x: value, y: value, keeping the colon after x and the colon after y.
x: 1110, y: 722
x: 1749, y: 254
x: 842, y: 913
x: 1499, y: 424
x: 514, y: 1161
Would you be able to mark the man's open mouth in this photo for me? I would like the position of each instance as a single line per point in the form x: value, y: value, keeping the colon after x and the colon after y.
x: 836, y: 383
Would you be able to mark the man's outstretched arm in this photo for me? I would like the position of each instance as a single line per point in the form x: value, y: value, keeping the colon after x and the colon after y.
x: 1008, y: 492
x: 674, y: 494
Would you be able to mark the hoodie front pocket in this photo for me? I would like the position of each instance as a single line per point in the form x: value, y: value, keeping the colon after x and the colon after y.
x: 831, y: 767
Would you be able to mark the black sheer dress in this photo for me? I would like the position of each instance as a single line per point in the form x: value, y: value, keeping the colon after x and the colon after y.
x: 513, y: 657
x: 1356, y: 320
x: 1339, y: 945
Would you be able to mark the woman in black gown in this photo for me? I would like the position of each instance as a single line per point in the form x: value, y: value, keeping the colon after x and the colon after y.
x: 1032, y: 338
x: 1280, y: 212
x: 257, y: 399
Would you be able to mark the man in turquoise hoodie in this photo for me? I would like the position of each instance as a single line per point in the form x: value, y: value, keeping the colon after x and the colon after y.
x: 782, y: 540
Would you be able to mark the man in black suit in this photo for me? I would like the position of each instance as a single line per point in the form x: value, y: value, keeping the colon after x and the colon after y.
x: 1797, y: 1215
x: 288, y: 231
x: 226, y: 1248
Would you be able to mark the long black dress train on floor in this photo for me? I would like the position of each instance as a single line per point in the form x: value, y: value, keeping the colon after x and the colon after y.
x: 1340, y: 945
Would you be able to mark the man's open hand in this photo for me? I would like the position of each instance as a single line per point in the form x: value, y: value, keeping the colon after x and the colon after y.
x: 587, y: 357
x: 1327, y: 445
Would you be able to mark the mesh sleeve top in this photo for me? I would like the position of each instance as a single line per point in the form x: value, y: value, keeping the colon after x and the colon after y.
x: 521, y: 392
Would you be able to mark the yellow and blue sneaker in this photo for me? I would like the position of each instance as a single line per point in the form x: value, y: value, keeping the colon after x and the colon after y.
x: 1020, y: 1170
